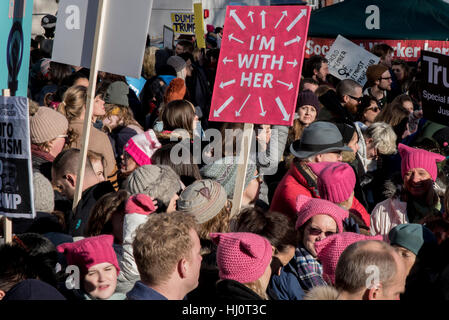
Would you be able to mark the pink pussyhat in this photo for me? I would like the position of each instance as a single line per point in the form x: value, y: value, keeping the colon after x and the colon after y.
x: 330, y: 249
x: 89, y: 252
x: 242, y: 256
x: 307, y: 207
x: 141, y: 204
x: 142, y: 146
x: 336, y: 180
x: 412, y: 158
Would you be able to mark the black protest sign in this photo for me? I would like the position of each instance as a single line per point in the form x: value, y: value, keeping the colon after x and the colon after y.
x: 435, y: 95
x: 16, y: 175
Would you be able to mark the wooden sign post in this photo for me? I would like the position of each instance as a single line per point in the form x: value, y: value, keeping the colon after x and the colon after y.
x: 99, y: 30
x: 7, y: 223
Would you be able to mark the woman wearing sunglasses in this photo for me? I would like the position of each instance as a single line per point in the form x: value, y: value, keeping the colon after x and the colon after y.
x: 317, y: 219
x: 367, y: 112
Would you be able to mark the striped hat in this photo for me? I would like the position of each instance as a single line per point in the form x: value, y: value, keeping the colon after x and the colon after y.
x: 142, y: 146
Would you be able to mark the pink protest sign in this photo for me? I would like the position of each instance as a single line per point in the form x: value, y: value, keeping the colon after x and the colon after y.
x: 260, y: 64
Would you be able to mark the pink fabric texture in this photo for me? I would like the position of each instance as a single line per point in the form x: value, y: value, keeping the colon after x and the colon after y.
x: 89, y: 252
x: 141, y: 204
x: 336, y: 180
x: 412, y: 158
x: 330, y: 249
x: 242, y: 256
x: 308, y: 207
x: 142, y: 146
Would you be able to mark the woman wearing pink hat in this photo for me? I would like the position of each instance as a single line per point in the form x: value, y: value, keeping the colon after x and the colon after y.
x: 417, y: 200
x: 317, y: 220
x: 243, y: 261
x: 96, y: 259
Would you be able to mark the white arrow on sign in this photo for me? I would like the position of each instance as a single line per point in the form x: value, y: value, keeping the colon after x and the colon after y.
x: 262, y: 14
x: 293, y: 63
x: 284, y: 14
x: 225, y: 84
x: 302, y: 14
x: 281, y: 106
x: 287, y: 43
x: 220, y: 110
x: 250, y: 14
x: 237, y: 113
x: 237, y: 19
x: 290, y: 86
x: 231, y: 37
x: 226, y: 60
x: 263, y: 113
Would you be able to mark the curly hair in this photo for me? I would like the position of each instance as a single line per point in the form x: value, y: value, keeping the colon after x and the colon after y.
x: 219, y: 223
x: 124, y: 114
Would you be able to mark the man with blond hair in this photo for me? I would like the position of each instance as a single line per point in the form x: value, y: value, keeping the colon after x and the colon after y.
x: 167, y: 254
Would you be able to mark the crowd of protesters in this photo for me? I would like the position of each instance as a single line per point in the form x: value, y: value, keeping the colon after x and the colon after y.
x: 350, y: 202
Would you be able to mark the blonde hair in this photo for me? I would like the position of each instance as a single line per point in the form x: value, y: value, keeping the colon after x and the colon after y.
x: 125, y: 115
x: 256, y: 286
x: 384, y: 137
x: 219, y: 223
x: 160, y: 243
x: 73, y: 102
x: 149, y: 62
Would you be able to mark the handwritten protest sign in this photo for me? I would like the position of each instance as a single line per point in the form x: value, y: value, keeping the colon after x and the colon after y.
x: 16, y: 175
x: 183, y: 22
x: 349, y: 61
x: 260, y: 64
x: 435, y: 102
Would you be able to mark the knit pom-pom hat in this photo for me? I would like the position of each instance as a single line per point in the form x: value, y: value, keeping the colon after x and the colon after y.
x: 330, y: 249
x: 336, y: 180
x: 142, y: 146
x: 412, y: 158
x: 141, y: 204
x: 242, y: 256
x: 89, y: 252
x: 307, y: 207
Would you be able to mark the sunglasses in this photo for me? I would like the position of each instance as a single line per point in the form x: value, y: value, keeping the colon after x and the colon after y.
x: 355, y: 98
x: 317, y: 232
x: 374, y: 109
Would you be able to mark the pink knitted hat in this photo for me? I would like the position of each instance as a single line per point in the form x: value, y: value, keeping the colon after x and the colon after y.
x: 418, y: 158
x: 140, y: 203
x: 307, y: 207
x: 330, y: 249
x: 242, y: 256
x: 336, y: 180
x: 91, y: 251
x: 142, y: 147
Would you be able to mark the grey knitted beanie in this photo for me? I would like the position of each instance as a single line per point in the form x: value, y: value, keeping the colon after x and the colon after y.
x: 44, y: 199
x: 117, y: 93
x: 177, y: 63
x: 224, y: 171
x: 157, y: 181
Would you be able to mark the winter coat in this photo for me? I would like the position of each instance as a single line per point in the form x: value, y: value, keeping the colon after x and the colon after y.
x: 386, y: 215
x: 286, y: 285
x: 143, y: 292
x: 76, y: 222
x: 121, y: 136
x: 322, y: 293
x: 234, y: 290
x: 300, y: 180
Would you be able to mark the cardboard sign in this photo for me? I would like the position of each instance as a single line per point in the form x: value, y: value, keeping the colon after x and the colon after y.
x: 435, y: 100
x: 260, y: 64
x: 16, y: 175
x: 169, y: 36
x: 123, y: 43
x: 349, y: 61
x: 183, y: 22
x: 15, y: 40
x: 407, y: 50
x: 199, y: 25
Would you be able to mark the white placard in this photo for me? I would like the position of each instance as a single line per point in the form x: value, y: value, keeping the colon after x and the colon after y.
x: 349, y: 61
x: 126, y: 27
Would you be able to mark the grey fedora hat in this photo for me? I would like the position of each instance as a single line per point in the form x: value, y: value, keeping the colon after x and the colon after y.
x: 318, y: 138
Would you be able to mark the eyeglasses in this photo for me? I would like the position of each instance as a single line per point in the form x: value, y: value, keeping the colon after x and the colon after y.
x: 356, y: 99
x: 317, y: 232
x: 387, y: 78
x: 66, y: 138
x: 374, y: 109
